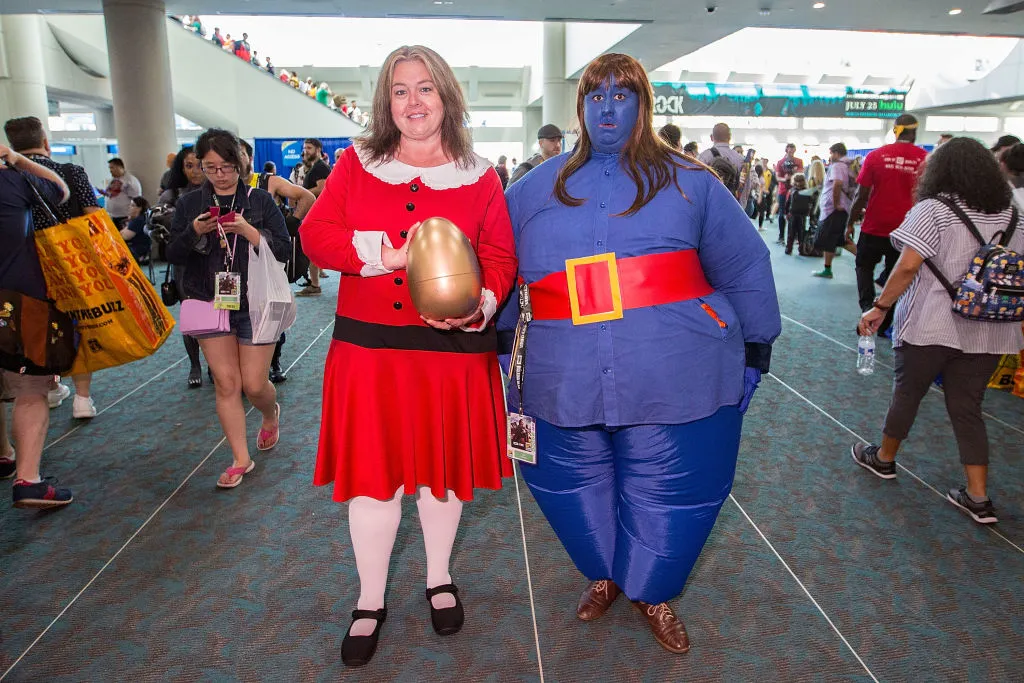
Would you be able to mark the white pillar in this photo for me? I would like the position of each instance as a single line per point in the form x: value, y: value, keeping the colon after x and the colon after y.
x: 22, y: 73
x: 532, y: 123
x: 558, y: 101
x: 140, y: 79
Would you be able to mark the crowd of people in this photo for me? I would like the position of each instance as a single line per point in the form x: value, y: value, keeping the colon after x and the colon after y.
x: 240, y: 47
x: 630, y: 472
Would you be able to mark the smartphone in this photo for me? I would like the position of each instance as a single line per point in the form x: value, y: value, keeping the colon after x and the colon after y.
x: 226, y: 218
x: 214, y: 211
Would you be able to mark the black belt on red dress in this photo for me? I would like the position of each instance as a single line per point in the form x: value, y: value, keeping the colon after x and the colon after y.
x: 413, y: 337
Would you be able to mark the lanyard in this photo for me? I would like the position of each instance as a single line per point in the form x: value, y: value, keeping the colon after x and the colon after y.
x: 229, y: 251
x: 518, y: 368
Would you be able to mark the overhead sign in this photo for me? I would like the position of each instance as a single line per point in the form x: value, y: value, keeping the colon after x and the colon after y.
x: 748, y: 99
x: 63, y: 150
x: 286, y: 153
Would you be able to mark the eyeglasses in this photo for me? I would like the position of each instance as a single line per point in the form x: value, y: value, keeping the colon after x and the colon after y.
x: 219, y: 170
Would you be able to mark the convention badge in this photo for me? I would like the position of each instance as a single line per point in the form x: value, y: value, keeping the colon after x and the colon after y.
x: 522, y: 438
x: 228, y: 292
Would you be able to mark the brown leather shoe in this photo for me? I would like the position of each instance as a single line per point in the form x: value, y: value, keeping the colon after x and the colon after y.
x: 668, y: 630
x: 596, y: 600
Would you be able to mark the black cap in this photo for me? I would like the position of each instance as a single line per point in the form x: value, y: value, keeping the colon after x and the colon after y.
x: 1005, y: 141
x: 549, y: 130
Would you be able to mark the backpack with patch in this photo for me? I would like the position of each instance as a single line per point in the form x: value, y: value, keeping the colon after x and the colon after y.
x: 992, y: 290
x: 726, y: 171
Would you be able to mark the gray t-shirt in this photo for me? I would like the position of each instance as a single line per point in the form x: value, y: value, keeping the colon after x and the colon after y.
x: 731, y: 155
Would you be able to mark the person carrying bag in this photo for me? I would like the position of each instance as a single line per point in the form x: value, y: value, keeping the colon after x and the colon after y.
x: 92, y: 276
x: 36, y: 337
x: 219, y: 237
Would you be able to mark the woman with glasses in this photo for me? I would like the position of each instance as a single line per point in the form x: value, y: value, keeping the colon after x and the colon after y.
x: 211, y: 247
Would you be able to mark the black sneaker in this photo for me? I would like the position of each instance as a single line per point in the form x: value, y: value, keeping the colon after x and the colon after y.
x: 7, y: 468
x: 41, y: 495
x: 277, y: 375
x: 867, y: 457
x: 982, y: 513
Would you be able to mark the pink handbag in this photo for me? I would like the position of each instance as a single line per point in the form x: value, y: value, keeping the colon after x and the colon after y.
x: 200, y: 317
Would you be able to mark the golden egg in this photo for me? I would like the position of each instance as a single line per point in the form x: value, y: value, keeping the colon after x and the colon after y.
x: 443, y: 271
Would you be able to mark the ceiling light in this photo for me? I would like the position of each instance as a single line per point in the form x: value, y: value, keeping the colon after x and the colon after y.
x: 955, y: 11
x: 818, y: 5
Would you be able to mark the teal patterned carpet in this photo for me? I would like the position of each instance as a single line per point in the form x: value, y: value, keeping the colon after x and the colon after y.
x: 816, y: 571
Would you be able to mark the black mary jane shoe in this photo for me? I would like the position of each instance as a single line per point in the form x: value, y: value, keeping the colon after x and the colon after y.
x: 358, y: 650
x: 447, y: 620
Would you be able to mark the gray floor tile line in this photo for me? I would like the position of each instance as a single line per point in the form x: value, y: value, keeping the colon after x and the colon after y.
x: 151, y: 379
x: 901, y: 466
x: 803, y: 587
x: 884, y: 364
x: 143, y: 526
x: 529, y: 576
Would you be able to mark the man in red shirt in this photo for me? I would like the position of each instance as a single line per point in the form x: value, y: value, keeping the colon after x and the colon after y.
x: 886, y: 188
x: 786, y: 167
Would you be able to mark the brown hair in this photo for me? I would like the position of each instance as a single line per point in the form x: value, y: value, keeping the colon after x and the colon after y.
x: 25, y: 133
x: 647, y: 159
x: 383, y: 137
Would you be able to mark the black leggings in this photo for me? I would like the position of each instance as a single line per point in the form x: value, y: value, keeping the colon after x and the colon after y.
x: 964, y: 379
x: 764, y: 209
x: 797, y: 231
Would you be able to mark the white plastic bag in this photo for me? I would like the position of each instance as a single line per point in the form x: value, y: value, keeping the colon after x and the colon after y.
x: 271, y: 302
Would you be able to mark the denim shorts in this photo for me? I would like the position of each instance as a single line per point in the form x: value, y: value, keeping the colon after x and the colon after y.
x: 241, y: 327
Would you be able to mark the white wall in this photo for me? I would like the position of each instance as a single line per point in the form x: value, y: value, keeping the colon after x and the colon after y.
x: 1006, y: 81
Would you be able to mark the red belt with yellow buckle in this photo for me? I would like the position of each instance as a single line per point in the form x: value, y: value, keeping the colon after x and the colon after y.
x: 597, y: 288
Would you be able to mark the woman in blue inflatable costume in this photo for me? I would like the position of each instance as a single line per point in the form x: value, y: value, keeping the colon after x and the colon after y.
x: 650, y: 319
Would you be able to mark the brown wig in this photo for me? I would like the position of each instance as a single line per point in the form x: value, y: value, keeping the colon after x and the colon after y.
x: 383, y: 138
x: 648, y: 160
x: 963, y: 167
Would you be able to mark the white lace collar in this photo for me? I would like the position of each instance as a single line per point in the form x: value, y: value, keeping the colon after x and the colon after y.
x: 446, y: 177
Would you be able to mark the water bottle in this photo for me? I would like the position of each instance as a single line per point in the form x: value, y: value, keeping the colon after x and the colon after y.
x: 866, y: 354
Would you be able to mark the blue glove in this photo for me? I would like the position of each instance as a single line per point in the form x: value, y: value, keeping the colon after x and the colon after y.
x: 751, y: 378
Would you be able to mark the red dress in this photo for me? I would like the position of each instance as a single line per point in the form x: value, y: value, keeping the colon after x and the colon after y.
x: 405, y: 405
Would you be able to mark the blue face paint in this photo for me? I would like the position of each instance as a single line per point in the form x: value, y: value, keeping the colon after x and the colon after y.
x: 610, y: 113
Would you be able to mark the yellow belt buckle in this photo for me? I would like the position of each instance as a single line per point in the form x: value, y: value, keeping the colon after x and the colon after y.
x: 613, y: 281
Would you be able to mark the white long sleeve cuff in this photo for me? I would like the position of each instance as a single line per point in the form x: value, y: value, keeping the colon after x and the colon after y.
x: 489, y: 308
x: 368, y: 245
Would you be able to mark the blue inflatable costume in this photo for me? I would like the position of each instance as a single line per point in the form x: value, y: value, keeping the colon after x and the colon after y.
x: 653, y: 314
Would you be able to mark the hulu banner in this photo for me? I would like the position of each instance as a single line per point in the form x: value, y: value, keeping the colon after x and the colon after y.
x: 747, y: 99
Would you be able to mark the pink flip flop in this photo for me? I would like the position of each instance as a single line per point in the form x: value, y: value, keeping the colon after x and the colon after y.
x: 267, y: 439
x: 239, y: 472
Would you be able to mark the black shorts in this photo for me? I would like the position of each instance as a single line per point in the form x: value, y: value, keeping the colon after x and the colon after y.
x: 832, y: 232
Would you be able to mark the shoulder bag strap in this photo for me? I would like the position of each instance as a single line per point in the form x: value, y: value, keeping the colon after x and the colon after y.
x: 40, y: 200
x: 1011, y: 229
x: 715, y: 153
x: 970, y: 225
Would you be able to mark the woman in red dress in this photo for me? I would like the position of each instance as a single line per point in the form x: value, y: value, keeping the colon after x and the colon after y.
x: 411, y: 406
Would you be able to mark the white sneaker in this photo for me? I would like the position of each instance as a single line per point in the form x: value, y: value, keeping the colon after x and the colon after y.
x: 84, y: 408
x: 57, y: 396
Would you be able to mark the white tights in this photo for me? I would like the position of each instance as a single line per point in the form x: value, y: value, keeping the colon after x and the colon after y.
x: 373, y: 525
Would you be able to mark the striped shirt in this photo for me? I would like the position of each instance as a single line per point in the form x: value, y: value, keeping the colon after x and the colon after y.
x: 924, y: 314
